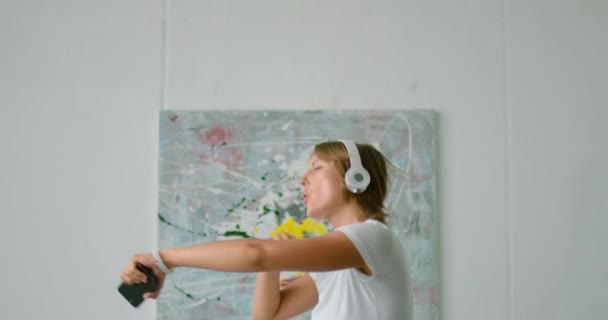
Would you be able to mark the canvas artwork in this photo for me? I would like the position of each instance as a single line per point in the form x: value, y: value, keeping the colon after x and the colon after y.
x: 235, y: 174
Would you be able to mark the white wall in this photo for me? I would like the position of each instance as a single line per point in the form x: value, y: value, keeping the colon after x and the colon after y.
x: 519, y: 87
x: 559, y: 159
x: 80, y: 87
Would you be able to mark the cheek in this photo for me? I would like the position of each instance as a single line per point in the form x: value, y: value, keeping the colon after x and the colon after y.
x: 333, y: 186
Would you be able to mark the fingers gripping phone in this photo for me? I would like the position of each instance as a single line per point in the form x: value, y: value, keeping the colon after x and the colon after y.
x: 134, y: 292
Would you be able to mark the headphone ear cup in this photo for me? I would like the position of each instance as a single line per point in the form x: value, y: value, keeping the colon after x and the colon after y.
x: 357, y: 179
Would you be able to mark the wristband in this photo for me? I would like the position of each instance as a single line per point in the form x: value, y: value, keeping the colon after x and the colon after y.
x: 159, y: 263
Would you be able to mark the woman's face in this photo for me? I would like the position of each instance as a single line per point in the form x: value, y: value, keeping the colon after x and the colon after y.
x: 322, y: 192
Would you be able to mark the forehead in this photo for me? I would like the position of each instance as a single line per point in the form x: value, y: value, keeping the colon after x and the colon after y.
x: 313, y: 158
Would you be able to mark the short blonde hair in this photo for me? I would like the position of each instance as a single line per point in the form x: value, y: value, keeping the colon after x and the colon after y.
x: 372, y: 199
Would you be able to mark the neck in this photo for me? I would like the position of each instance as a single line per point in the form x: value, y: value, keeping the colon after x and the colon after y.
x: 350, y: 213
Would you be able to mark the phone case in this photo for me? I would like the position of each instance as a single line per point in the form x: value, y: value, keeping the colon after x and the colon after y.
x: 134, y: 292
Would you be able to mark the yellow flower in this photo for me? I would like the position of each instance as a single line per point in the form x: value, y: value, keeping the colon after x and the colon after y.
x: 297, y: 231
x: 308, y: 225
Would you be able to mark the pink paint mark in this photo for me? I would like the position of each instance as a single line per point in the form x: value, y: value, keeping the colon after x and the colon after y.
x: 215, y: 136
x: 219, y: 138
x: 237, y: 157
x: 242, y: 280
x: 226, y: 310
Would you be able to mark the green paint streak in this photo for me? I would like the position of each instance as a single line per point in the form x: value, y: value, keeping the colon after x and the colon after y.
x: 234, y: 206
x: 233, y: 233
x: 164, y: 220
x: 189, y: 296
x: 267, y: 211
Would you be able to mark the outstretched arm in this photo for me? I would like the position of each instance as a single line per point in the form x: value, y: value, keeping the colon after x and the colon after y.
x: 332, y: 251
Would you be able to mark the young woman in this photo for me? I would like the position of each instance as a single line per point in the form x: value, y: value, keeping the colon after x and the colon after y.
x: 357, y: 271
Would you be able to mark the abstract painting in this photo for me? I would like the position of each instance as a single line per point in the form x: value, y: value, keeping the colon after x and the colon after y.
x: 235, y: 174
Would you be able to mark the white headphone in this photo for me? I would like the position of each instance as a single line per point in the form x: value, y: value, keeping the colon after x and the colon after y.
x: 357, y: 178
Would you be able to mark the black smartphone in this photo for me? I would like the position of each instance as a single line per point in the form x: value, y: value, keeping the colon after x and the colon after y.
x: 134, y: 292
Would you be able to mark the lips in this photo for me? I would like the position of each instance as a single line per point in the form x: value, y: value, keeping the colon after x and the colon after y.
x: 305, y: 198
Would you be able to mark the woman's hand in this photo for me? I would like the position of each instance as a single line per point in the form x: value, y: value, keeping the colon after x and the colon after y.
x: 132, y: 275
x: 282, y: 236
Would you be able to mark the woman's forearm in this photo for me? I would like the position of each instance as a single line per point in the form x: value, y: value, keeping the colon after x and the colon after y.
x: 240, y: 255
x: 266, y: 295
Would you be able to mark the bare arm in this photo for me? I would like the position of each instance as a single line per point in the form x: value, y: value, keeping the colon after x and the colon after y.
x: 332, y: 251
x: 227, y: 255
x: 297, y: 297
x: 266, y: 295
x: 294, y: 298
x: 272, y: 300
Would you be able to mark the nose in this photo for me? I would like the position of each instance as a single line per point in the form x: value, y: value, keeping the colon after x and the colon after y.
x: 304, y: 180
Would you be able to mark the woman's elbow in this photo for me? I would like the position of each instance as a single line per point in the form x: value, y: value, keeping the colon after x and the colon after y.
x: 256, y: 256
